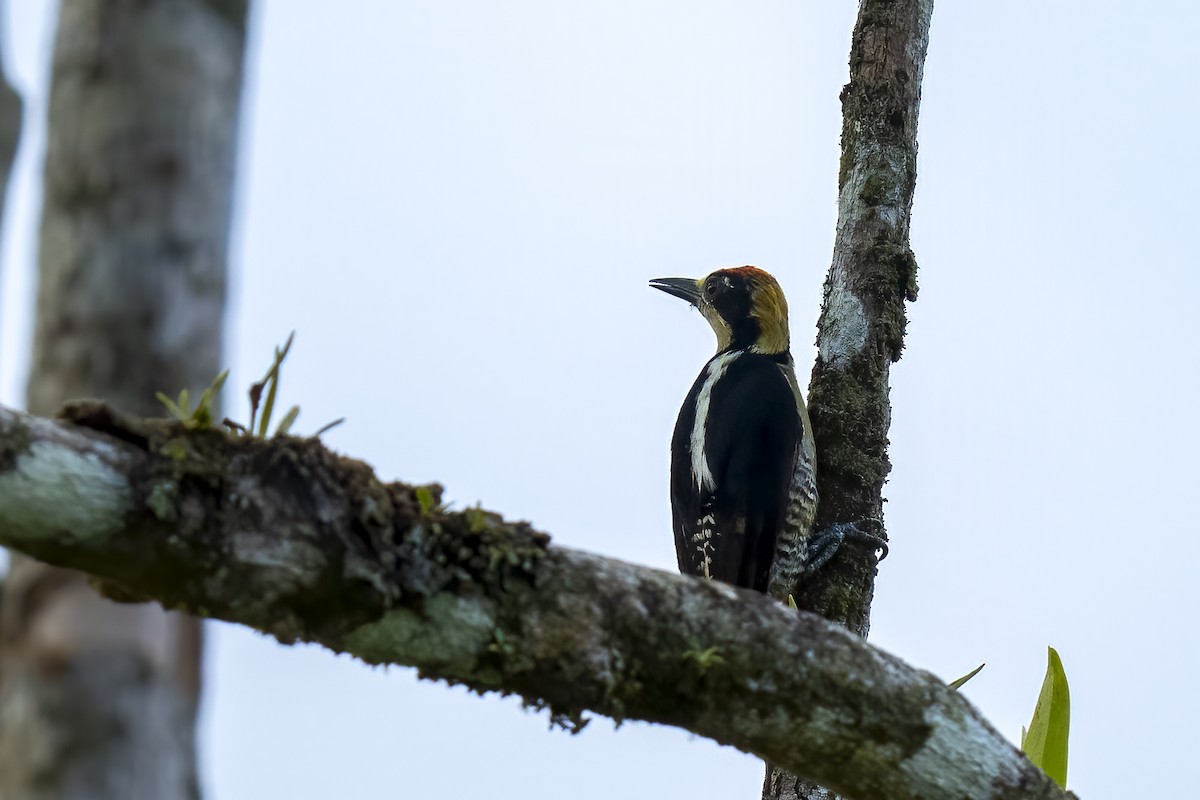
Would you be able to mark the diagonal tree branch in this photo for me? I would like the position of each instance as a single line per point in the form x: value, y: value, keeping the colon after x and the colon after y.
x: 291, y: 539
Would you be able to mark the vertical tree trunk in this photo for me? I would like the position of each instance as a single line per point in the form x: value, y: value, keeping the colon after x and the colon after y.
x: 97, y: 699
x: 861, y: 328
x: 10, y: 130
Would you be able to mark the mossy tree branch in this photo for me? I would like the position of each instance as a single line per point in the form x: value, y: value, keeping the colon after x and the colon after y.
x: 295, y: 541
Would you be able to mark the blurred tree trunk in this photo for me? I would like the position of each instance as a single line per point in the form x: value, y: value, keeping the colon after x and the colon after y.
x: 97, y: 699
x: 10, y: 130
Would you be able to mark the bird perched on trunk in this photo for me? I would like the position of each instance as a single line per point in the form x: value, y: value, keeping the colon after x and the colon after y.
x: 743, y: 461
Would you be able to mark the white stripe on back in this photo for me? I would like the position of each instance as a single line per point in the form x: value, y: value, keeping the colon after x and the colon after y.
x: 700, y: 470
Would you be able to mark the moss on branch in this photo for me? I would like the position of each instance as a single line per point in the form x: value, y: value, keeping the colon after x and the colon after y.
x: 292, y: 539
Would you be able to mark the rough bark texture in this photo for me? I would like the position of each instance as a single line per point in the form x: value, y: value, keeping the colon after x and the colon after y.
x: 302, y: 544
x: 861, y: 328
x: 98, y: 700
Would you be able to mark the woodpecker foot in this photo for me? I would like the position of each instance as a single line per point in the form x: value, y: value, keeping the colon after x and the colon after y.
x: 825, y: 543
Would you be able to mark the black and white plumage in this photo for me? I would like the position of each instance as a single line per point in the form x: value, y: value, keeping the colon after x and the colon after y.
x: 743, y: 481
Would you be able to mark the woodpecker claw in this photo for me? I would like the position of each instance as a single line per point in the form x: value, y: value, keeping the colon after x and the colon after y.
x: 825, y: 543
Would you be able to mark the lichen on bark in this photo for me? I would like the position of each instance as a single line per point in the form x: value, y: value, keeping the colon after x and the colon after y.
x: 348, y: 548
x: 307, y: 545
x: 872, y: 276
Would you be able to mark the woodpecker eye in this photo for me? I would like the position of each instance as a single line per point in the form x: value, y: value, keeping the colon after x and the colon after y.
x: 713, y: 287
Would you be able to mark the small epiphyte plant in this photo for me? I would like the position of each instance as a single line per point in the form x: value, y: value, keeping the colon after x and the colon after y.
x: 201, y: 418
x: 270, y: 382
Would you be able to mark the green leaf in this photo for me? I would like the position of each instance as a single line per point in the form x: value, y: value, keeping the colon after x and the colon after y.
x: 202, y: 417
x: 285, y: 424
x: 477, y: 519
x: 1045, y: 743
x: 425, y: 499
x: 957, y: 683
x: 264, y: 425
x: 218, y: 384
x: 272, y: 381
x: 792, y: 603
x: 170, y: 405
x: 209, y: 395
x: 705, y: 659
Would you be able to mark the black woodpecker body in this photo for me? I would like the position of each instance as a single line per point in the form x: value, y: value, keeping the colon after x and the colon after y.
x: 743, y: 480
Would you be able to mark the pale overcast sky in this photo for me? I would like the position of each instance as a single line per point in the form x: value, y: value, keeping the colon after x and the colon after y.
x: 458, y: 205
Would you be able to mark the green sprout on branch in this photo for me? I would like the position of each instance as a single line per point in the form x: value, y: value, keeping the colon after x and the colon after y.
x: 270, y: 382
x: 704, y: 659
x: 201, y: 418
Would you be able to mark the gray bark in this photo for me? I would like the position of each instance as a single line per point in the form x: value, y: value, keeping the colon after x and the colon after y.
x: 861, y: 328
x: 98, y: 699
x: 305, y: 545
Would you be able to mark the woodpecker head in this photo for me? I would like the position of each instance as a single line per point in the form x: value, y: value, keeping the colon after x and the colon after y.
x: 744, y: 306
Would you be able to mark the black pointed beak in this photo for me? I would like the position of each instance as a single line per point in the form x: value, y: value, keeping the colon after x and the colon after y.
x: 683, y: 288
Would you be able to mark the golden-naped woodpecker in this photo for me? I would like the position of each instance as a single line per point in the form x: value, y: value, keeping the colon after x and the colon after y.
x: 743, y: 462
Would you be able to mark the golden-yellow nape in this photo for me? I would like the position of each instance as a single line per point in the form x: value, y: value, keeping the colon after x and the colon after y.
x: 747, y: 309
x: 769, y: 307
